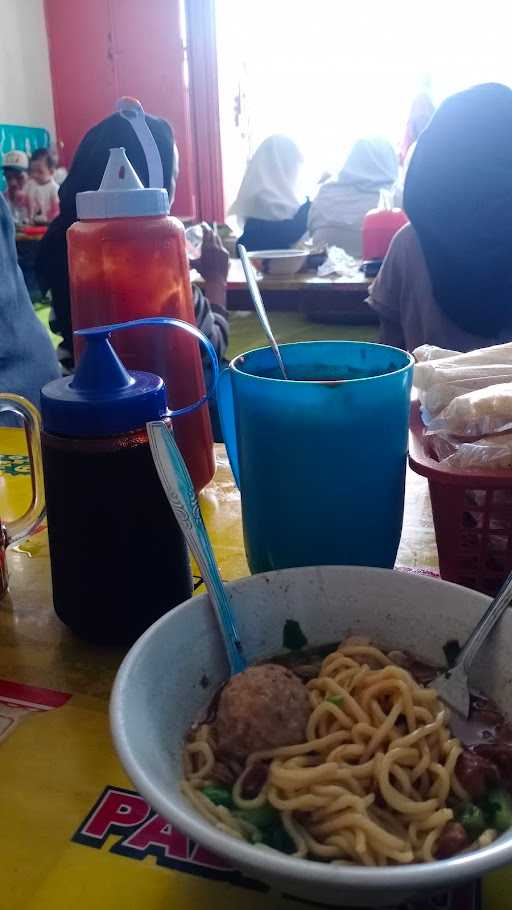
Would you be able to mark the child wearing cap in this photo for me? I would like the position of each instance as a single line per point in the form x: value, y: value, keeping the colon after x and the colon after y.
x: 15, y: 170
x: 42, y: 190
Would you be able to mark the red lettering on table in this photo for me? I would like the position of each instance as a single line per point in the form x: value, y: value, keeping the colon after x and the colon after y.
x: 115, y: 811
x: 143, y: 833
x: 156, y: 832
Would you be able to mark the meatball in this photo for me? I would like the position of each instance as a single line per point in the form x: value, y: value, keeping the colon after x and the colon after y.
x: 453, y: 839
x: 262, y: 708
x: 476, y: 772
x: 499, y: 755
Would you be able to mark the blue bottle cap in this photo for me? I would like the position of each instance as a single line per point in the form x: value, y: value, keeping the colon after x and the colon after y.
x: 102, y: 398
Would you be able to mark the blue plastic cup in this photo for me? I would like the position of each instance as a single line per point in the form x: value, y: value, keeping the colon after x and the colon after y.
x: 320, y: 461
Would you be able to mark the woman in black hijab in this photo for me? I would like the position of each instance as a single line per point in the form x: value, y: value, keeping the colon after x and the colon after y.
x: 447, y: 278
x: 86, y: 173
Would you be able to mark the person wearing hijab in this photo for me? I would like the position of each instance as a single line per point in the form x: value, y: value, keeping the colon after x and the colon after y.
x: 447, y: 277
x: 337, y: 213
x: 27, y: 358
x: 86, y: 173
x: 422, y: 109
x: 269, y: 205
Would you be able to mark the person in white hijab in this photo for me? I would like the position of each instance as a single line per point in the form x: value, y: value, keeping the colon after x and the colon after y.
x: 336, y: 215
x: 269, y: 205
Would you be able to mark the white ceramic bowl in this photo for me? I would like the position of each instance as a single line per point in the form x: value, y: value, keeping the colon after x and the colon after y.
x: 280, y: 263
x: 172, y: 672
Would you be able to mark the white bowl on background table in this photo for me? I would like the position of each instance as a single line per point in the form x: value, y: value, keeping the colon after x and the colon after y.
x: 172, y: 672
x: 280, y: 263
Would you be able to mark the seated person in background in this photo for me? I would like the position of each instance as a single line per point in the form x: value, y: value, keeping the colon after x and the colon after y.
x: 60, y: 173
x: 447, y: 277
x: 336, y: 215
x: 15, y: 168
x: 42, y: 190
x: 86, y: 173
x: 210, y: 303
x: 420, y: 115
x: 27, y: 358
x: 269, y: 205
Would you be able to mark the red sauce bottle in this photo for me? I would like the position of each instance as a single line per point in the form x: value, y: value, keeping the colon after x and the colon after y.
x: 127, y: 260
x: 379, y: 227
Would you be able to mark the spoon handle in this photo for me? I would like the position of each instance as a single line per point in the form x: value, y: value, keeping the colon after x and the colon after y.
x: 259, y: 306
x: 485, y: 625
x: 178, y: 488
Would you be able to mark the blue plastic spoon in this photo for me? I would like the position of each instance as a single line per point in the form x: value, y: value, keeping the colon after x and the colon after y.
x: 180, y: 492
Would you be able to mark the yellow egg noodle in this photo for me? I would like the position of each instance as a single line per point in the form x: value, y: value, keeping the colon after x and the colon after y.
x: 372, y: 782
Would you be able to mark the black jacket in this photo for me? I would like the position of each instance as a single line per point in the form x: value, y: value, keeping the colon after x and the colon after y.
x: 275, y: 235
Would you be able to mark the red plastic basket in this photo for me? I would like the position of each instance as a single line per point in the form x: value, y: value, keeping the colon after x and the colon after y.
x: 472, y: 516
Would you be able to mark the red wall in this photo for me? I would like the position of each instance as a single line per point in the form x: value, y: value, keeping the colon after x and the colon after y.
x: 103, y: 49
x: 204, y: 102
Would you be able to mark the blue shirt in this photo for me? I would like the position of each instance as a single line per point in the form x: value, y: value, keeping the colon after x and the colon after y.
x: 27, y: 357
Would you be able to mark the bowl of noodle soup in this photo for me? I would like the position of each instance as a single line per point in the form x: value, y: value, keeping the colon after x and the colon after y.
x: 356, y: 808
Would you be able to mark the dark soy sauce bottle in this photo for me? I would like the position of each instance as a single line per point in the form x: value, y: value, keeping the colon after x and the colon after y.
x: 118, y: 558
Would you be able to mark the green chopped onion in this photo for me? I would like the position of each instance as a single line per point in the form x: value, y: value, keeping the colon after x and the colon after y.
x: 279, y: 839
x: 499, y: 810
x: 263, y: 817
x: 335, y: 700
x: 219, y: 796
x: 256, y: 836
x: 472, y: 820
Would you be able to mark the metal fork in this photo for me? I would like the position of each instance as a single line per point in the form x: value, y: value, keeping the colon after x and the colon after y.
x: 452, y: 684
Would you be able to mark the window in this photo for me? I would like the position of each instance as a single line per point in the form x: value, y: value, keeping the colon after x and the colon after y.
x: 330, y: 71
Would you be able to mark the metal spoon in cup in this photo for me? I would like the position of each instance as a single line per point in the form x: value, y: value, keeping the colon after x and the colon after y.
x: 259, y: 306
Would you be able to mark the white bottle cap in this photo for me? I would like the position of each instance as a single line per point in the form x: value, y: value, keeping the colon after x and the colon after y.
x: 133, y: 112
x: 121, y: 194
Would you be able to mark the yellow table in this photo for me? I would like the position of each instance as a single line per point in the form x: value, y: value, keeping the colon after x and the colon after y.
x: 73, y: 832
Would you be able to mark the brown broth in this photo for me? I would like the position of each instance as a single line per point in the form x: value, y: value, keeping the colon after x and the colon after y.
x: 323, y: 373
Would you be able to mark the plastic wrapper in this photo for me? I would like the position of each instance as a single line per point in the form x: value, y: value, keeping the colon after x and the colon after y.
x: 339, y: 262
x: 439, y: 395
x: 491, y: 453
x: 441, y: 446
x: 430, y: 352
x: 477, y: 414
x: 426, y: 372
x: 447, y: 372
